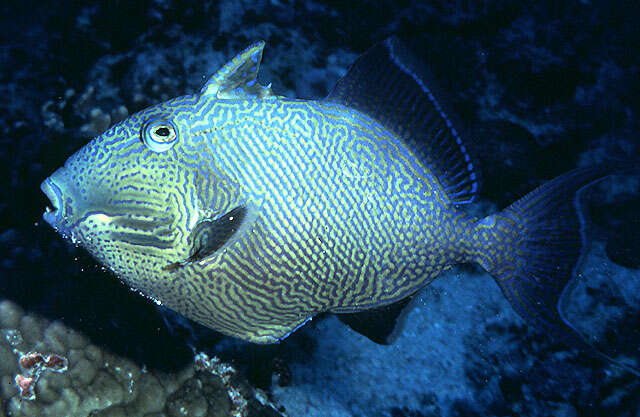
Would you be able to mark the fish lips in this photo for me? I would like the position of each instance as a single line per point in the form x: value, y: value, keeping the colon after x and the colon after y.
x: 53, y: 215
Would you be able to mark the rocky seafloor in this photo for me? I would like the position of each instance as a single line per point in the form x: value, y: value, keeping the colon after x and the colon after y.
x: 537, y: 87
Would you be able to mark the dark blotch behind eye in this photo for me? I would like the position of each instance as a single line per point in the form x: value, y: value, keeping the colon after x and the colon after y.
x: 162, y: 131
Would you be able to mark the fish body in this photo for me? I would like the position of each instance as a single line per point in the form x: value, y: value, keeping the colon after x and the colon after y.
x: 341, y: 215
x: 251, y: 213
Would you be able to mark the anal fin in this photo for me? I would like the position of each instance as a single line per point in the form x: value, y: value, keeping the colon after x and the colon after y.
x: 380, y: 324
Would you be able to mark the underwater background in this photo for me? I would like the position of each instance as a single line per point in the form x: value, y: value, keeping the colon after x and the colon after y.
x: 537, y: 87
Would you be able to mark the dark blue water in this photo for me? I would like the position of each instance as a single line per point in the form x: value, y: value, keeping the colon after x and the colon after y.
x: 537, y: 88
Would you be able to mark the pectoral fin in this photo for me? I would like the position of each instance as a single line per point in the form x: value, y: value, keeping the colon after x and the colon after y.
x: 211, y: 235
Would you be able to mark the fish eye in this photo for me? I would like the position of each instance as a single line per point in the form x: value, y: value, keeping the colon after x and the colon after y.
x: 159, y: 135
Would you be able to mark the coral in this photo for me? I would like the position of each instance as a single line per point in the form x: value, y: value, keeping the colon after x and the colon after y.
x: 33, y: 364
x: 77, y: 378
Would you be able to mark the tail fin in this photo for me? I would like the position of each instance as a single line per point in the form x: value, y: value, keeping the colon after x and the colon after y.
x: 533, y: 248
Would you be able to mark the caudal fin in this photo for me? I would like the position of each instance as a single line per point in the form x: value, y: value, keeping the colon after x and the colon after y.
x: 533, y: 247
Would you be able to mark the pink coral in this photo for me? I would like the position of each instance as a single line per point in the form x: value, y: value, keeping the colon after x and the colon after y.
x: 33, y: 365
x: 26, y: 385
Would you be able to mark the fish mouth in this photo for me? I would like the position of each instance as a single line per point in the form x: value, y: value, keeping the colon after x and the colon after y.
x: 52, y: 214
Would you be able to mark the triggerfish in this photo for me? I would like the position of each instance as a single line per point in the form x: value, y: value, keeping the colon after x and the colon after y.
x: 251, y: 213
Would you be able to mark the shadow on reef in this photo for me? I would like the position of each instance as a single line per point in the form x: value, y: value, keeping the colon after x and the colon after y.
x: 529, y: 374
x: 621, y: 221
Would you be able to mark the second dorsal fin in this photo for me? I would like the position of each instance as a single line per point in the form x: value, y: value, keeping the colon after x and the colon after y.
x: 384, y: 84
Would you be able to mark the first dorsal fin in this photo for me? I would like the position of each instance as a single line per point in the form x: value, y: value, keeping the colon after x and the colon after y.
x: 238, y: 77
x: 384, y: 83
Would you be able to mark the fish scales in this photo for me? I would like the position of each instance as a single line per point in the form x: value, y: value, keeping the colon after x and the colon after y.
x: 320, y: 284
x: 251, y: 213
